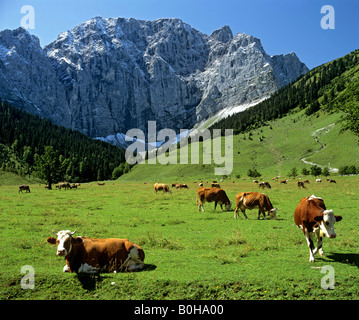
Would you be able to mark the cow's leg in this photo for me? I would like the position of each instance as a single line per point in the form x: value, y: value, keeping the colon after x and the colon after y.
x: 235, y: 212
x: 66, y: 268
x: 310, y: 246
x: 200, y: 205
x: 263, y: 212
x: 244, y: 213
x: 215, y: 205
x: 319, y: 247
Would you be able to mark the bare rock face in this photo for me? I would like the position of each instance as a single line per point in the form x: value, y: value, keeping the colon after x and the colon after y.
x: 106, y: 76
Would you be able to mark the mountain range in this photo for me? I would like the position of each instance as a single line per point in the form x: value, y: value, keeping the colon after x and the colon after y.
x: 107, y: 76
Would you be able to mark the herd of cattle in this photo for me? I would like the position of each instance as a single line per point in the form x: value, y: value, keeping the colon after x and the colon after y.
x: 88, y: 255
x: 311, y: 215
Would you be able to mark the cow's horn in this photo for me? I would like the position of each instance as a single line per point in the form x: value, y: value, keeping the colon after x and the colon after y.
x: 54, y: 232
x: 72, y: 233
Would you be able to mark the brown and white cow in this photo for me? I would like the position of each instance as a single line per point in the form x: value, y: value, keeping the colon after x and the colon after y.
x: 64, y: 185
x: 264, y: 185
x: 312, y: 217
x: 181, y: 186
x: 88, y: 255
x: 254, y: 200
x: 213, y: 194
x: 161, y: 186
x: 25, y: 188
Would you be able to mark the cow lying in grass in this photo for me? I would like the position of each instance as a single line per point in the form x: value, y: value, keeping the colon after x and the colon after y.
x: 88, y: 255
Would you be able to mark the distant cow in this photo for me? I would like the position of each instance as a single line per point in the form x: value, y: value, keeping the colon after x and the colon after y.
x: 332, y: 181
x: 213, y: 194
x: 64, y: 185
x: 181, y: 186
x: 88, y: 255
x: 101, y: 183
x: 300, y: 184
x: 318, y: 180
x: 264, y: 185
x: 312, y: 217
x: 25, y: 188
x: 254, y: 200
x: 215, y: 185
x: 284, y: 181
x: 161, y: 186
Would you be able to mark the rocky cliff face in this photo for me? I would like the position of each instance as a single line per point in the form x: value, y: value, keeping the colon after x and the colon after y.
x: 109, y: 75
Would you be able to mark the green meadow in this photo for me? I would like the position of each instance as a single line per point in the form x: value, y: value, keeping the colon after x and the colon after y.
x: 189, y: 254
x: 273, y: 150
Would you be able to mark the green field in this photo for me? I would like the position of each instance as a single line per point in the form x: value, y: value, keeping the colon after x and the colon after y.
x: 189, y: 254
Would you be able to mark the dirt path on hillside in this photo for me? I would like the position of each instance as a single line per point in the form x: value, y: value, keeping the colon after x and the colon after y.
x: 315, y: 135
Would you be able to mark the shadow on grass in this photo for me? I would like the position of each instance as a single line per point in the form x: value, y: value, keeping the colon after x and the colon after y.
x: 348, y: 258
x: 89, y: 281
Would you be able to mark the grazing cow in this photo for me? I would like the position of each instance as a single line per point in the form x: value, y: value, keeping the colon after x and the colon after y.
x: 25, y: 188
x: 174, y: 185
x: 253, y: 200
x: 101, y: 183
x: 284, y: 181
x: 312, y: 217
x: 64, y: 185
x: 318, y: 180
x: 264, y: 185
x: 212, y: 194
x: 88, y: 255
x: 215, y: 185
x: 306, y: 181
x: 181, y: 186
x: 300, y: 184
x: 255, y: 181
x: 332, y: 181
x: 161, y: 186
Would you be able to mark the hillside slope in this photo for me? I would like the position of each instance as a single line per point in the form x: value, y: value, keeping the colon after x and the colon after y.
x: 273, y: 150
x: 23, y: 136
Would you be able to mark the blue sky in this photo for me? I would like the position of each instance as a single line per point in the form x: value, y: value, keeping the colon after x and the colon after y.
x: 282, y: 26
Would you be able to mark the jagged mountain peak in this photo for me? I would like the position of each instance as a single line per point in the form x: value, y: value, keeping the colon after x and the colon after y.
x: 223, y: 34
x: 108, y: 75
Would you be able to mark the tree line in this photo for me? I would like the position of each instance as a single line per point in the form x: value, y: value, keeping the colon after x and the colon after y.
x: 29, y: 141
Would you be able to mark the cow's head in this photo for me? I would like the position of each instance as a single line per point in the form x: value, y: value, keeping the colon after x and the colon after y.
x: 64, y: 242
x: 326, y: 223
x: 228, y: 206
x: 273, y: 213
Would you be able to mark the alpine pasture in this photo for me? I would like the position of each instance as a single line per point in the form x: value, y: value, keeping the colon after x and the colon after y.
x: 189, y: 254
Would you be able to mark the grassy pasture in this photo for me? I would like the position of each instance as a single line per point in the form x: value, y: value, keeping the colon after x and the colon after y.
x: 189, y: 254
